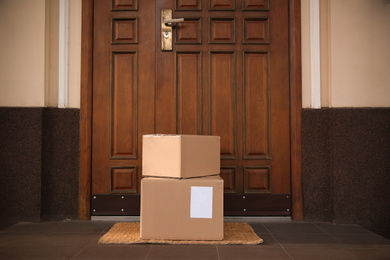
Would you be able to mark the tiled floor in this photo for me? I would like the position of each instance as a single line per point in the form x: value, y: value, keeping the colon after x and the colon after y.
x: 282, y: 240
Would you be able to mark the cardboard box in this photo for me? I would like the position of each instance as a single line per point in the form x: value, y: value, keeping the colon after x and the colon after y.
x: 182, y: 209
x: 180, y: 156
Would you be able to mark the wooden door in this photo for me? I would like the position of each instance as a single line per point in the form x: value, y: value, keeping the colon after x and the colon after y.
x: 228, y: 75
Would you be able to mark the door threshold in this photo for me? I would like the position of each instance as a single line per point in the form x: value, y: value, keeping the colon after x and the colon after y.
x: 116, y: 218
x: 256, y: 219
x: 226, y: 219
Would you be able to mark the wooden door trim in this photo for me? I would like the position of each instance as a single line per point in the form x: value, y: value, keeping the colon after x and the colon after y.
x: 295, y: 108
x: 85, y: 174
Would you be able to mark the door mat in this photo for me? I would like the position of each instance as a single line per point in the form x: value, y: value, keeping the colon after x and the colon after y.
x: 128, y: 233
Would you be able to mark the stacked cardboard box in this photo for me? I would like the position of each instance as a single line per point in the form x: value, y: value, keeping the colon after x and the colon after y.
x: 181, y: 192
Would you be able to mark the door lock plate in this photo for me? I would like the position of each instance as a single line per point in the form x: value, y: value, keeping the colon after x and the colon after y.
x: 166, y: 30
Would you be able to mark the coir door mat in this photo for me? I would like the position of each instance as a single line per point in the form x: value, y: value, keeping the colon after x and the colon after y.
x: 128, y: 233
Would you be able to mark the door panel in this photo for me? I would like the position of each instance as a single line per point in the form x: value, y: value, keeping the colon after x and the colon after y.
x: 222, y: 119
x: 256, y: 105
x: 228, y: 75
x: 124, y: 105
x: 123, y: 101
x: 188, y: 92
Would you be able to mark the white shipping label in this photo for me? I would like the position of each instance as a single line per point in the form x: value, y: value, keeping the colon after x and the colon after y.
x: 201, y: 202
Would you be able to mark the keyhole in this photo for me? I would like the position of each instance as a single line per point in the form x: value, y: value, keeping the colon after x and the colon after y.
x: 166, y: 34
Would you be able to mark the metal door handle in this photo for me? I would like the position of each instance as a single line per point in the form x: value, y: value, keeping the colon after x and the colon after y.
x: 166, y: 28
x: 176, y: 20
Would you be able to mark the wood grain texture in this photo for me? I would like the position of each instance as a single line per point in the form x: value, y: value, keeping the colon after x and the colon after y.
x: 223, y: 101
x: 222, y: 4
x: 86, y: 111
x: 124, y: 102
x: 251, y: 5
x: 296, y: 108
x: 256, y: 30
x: 188, y: 92
x: 124, y: 30
x: 228, y: 174
x: 257, y: 179
x: 256, y: 102
x: 222, y: 30
x: 124, y: 5
x: 189, y: 31
x: 124, y: 93
x: 188, y: 5
x: 124, y: 180
x: 166, y: 104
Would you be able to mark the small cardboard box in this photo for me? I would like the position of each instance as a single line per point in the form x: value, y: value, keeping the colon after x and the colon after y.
x: 182, y: 209
x: 180, y: 156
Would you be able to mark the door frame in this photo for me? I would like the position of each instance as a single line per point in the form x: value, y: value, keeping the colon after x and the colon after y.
x: 295, y: 67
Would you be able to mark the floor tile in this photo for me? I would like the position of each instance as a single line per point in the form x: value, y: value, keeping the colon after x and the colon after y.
x: 182, y: 252
x: 65, y: 239
x: 373, y: 254
x: 6, y: 252
x: 269, y: 240
x: 95, y: 241
x: 18, y: 239
x: 83, y: 227
x: 343, y: 229
x: 31, y: 228
x: 307, y: 240
x: 293, y: 228
x: 251, y: 252
x: 363, y: 241
x: 259, y: 228
x: 322, y: 253
x: 38, y: 252
x: 286, y: 240
x: 6, y: 224
x: 114, y: 252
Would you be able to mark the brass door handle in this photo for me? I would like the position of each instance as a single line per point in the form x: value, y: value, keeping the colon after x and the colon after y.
x: 166, y: 28
x: 177, y: 20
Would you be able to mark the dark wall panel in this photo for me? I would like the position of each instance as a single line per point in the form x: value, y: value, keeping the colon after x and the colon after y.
x: 346, y: 166
x: 361, y: 154
x: 316, y: 172
x: 39, y: 164
x: 60, y: 163
x: 20, y: 164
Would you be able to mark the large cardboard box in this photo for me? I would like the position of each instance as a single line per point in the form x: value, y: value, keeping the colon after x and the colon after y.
x: 182, y: 209
x: 180, y: 156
